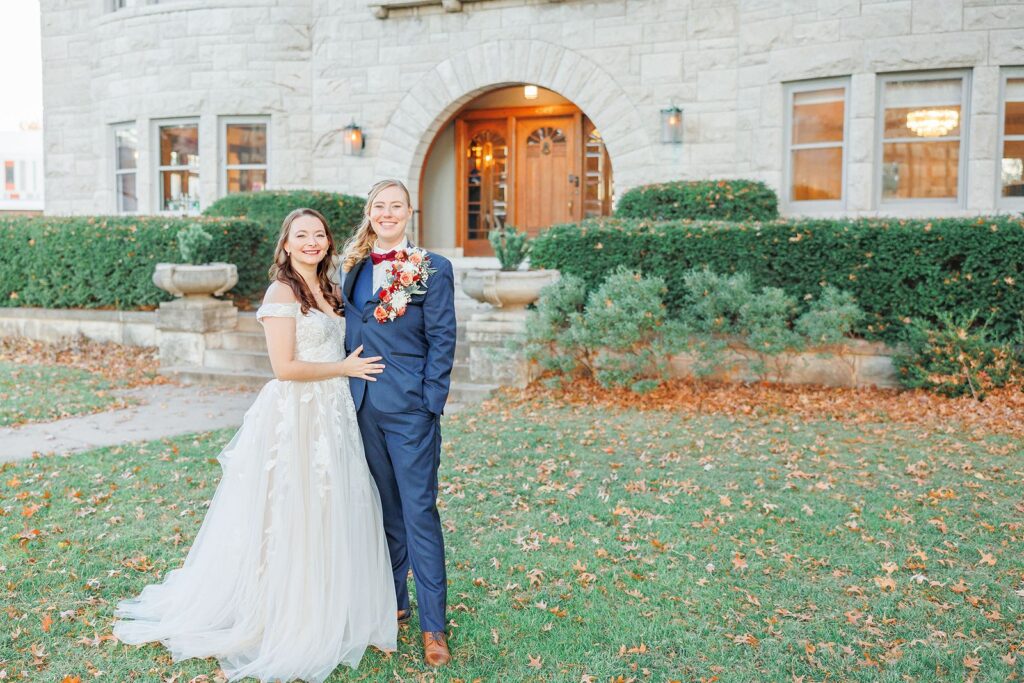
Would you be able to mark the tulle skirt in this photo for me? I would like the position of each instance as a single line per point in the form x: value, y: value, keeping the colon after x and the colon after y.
x: 289, y: 574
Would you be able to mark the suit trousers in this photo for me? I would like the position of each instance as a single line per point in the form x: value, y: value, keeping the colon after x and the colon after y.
x: 403, y: 451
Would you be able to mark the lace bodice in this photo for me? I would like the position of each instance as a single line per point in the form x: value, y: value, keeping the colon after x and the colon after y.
x: 319, y: 338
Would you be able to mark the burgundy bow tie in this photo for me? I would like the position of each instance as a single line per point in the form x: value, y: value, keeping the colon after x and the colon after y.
x: 380, y: 258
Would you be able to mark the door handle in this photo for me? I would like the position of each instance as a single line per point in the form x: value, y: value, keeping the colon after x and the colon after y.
x: 574, y: 180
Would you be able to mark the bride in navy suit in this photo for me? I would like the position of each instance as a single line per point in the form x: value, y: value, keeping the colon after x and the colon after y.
x: 400, y: 305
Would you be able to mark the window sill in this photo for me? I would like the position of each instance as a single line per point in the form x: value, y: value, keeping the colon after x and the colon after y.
x: 168, y: 6
x: 382, y: 10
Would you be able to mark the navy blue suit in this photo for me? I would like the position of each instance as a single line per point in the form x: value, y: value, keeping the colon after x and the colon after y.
x: 399, y: 419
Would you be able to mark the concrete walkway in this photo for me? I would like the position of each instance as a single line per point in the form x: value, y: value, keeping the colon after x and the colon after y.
x: 164, y: 410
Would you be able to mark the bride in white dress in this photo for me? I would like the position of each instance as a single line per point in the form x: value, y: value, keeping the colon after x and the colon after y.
x: 289, y: 574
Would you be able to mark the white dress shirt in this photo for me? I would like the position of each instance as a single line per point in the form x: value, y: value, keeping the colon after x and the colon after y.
x: 380, y: 270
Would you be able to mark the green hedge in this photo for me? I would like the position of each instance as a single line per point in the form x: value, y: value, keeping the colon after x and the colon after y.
x: 108, y: 261
x: 722, y: 200
x: 269, y: 207
x: 899, y: 270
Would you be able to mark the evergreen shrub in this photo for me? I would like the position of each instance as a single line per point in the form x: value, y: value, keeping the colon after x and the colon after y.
x: 897, y: 270
x: 723, y: 313
x: 618, y: 333
x: 726, y: 200
x: 269, y: 208
x: 511, y: 247
x: 956, y: 358
x: 108, y: 261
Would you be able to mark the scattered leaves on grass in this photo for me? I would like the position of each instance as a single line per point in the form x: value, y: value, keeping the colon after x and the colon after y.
x: 807, y: 538
x: 1002, y: 412
x: 126, y: 366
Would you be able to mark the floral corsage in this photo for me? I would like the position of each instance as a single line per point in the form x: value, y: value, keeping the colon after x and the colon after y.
x: 406, y: 278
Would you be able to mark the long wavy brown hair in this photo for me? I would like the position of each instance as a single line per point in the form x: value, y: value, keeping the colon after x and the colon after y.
x: 360, y: 244
x: 282, y: 270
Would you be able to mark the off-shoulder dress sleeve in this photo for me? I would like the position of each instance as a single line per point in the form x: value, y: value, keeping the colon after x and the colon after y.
x: 277, y: 311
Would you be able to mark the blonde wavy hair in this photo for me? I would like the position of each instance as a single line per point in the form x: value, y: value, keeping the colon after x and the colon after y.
x: 360, y: 244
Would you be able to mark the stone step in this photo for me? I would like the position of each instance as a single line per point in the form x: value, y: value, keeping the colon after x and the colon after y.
x: 470, y: 393
x: 234, y: 359
x: 239, y: 341
x: 218, y: 376
x: 460, y: 372
x: 454, y: 407
x: 247, y: 322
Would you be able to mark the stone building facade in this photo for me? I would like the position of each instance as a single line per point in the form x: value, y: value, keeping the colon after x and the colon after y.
x: 845, y: 107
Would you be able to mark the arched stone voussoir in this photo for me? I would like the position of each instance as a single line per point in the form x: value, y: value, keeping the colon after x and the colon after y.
x: 443, y: 90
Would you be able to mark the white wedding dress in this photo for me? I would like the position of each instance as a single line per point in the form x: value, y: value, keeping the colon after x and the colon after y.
x: 289, y: 574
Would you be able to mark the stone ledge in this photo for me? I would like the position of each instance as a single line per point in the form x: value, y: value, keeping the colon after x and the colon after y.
x: 133, y: 328
x: 861, y: 364
x: 382, y: 10
x: 857, y: 363
x: 91, y: 314
x: 109, y: 17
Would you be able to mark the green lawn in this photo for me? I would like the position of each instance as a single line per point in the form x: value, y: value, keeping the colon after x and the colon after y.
x: 591, y: 543
x: 40, y: 393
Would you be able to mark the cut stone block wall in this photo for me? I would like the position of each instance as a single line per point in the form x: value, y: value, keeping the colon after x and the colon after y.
x: 313, y: 66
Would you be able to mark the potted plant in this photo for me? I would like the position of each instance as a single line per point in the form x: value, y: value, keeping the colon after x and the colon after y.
x: 195, y: 278
x: 510, y: 288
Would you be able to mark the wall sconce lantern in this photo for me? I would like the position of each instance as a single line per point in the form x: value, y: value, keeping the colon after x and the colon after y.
x: 672, y: 125
x: 353, y: 141
x: 530, y: 92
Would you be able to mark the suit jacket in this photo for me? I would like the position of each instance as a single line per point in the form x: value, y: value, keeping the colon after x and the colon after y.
x: 418, y: 349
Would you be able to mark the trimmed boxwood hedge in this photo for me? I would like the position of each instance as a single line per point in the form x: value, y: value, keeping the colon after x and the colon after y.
x: 723, y: 200
x: 899, y: 270
x: 108, y: 261
x: 269, y: 207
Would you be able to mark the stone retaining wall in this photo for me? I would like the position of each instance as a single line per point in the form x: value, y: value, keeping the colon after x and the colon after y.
x: 860, y: 363
x: 133, y: 328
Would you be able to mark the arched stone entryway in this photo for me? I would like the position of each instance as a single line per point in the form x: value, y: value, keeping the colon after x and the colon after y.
x: 443, y: 90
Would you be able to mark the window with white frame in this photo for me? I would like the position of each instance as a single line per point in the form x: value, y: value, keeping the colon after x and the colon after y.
x: 244, y: 154
x: 815, y: 142
x: 923, y: 119
x: 1011, y: 163
x: 178, y: 170
x: 126, y: 159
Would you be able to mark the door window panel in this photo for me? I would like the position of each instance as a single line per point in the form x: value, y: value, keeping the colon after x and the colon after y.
x: 486, y: 184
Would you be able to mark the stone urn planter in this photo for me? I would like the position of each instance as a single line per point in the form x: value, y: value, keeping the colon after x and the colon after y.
x: 195, y: 282
x: 510, y: 290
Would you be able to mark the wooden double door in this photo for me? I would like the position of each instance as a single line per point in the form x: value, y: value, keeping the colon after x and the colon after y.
x: 527, y: 167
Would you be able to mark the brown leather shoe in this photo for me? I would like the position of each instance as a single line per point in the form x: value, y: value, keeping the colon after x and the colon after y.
x: 404, y: 615
x: 435, y: 648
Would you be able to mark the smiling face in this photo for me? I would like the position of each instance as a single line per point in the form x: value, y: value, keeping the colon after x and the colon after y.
x: 308, y: 242
x: 389, y: 214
